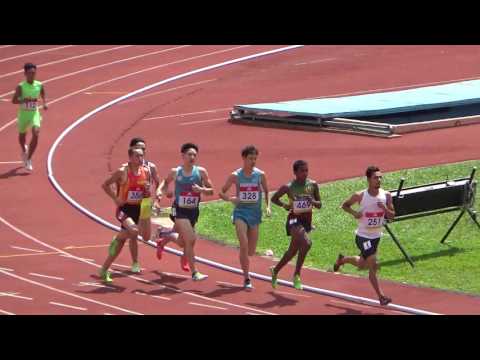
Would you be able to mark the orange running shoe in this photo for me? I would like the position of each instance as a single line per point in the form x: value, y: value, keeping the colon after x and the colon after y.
x: 184, y: 263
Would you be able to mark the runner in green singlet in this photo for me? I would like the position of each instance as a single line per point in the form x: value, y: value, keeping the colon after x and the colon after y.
x: 27, y: 94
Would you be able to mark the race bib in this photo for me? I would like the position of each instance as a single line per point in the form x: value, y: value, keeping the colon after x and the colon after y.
x: 189, y: 199
x: 134, y: 195
x: 30, y: 105
x: 302, y: 205
x: 249, y: 193
x: 367, y: 245
x: 374, y: 220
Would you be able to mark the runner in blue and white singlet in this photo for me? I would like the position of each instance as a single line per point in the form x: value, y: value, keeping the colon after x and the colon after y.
x: 247, y: 214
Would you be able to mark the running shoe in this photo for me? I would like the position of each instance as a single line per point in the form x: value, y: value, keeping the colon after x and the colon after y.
x: 297, y: 283
x: 160, y: 246
x: 247, y: 284
x: 136, y: 268
x: 385, y: 300
x: 184, y: 263
x: 274, y: 277
x: 197, y: 276
x: 105, y: 276
x: 28, y: 165
x: 337, y: 265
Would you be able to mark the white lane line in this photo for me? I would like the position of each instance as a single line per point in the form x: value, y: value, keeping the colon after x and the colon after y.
x: 225, y: 118
x: 126, y: 266
x: 103, y: 65
x: 70, y: 256
x: 315, y: 61
x: 26, y: 249
x: 47, y: 276
x: 107, y: 314
x: 5, y: 46
x: 82, y: 283
x: 229, y: 284
x: 6, y: 269
x: 160, y: 297
x: 187, y: 114
x: 370, y: 308
x: 10, y: 162
x: 208, y: 306
x: 69, y: 293
x: 289, y: 293
x: 123, y: 77
x: 15, y: 295
x: 176, y: 275
x: 251, y: 313
x: 68, y: 59
x: 67, y: 306
x: 167, y: 90
x: 6, y: 312
x: 35, y: 52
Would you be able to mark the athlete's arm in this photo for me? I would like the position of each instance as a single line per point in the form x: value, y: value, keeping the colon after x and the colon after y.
x: 263, y: 180
x: 228, y: 184
x: 42, y: 94
x: 347, y: 205
x: 163, y: 187
x: 154, y: 174
x: 317, y: 202
x: 17, y: 96
x: 278, y: 194
x: 107, y: 186
x: 389, y: 210
x: 208, y: 187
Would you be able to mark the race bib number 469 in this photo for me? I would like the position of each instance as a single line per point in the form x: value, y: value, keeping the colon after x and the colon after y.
x: 302, y: 205
x: 189, y: 199
x: 249, y: 193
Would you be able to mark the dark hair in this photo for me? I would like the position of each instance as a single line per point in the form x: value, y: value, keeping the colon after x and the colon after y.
x: 187, y: 146
x: 370, y: 170
x: 136, y: 140
x: 132, y: 150
x: 297, y: 164
x: 249, y: 150
x: 29, y: 66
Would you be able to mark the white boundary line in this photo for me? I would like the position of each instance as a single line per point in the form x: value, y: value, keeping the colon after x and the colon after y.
x: 10, y: 162
x: 5, y: 46
x: 47, y: 276
x: 67, y: 306
x: 6, y: 269
x: 6, y: 312
x: 68, y: 59
x: 208, y: 306
x: 186, y: 114
x: 85, y: 211
x: 26, y: 249
x: 225, y: 118
x: 35, y: 52
x: 14, y: 295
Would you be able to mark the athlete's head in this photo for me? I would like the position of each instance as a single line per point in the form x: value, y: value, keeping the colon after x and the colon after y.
x: 374, y: 177
x: 135, y: 156
x: 249, y: 155
x: 300, y: 169
x: 138, y: 143
x: 189, y: 153
x: 30, y: 71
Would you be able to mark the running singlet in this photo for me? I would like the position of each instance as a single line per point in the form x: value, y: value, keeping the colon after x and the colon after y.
x: 300, y: 196
x: 185, y: 197
x: 249, y: 188
x: 370, y: 224
x: 31, y: 92
x: 135, y: 188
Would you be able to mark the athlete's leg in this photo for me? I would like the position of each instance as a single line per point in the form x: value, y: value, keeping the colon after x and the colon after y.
x: 304, y: 245
x: 252, y: 234
x: 22, y: 137
x: 372, y: 264
x: 120, y: 241
x: 242, y: 230
x: 287, y: 256
x: 187, y: 233
x: 33, y: 141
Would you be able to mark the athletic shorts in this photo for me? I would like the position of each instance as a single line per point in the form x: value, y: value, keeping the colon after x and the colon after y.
x: 367, y: 246
x: 128, y: 211
x: 185, y: 213
x: 251, y: 217
x: 295, y: 220
x: 27, y: 120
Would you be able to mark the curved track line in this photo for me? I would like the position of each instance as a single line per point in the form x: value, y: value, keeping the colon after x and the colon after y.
x: 123, y: 77
x: 35, y: 52
x: 70, y: 58
x: 85, y: 211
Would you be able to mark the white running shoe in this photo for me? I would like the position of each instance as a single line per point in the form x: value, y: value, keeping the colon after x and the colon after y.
x: 197, y: 276
x: 28, y: 165
x: 247, y: 284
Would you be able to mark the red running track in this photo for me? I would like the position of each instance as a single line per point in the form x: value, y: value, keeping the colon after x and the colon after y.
x: 39, y: 229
